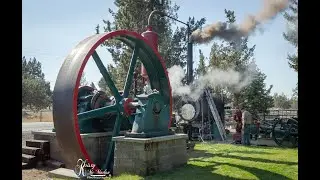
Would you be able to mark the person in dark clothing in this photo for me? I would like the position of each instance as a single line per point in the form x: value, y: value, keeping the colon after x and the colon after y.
x: 238, y: 118
x: 187, y: 129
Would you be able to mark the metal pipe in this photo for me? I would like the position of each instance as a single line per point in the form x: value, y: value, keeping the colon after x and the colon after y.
x: 189, y: 46
x: 190, y: 63
x: 152, y: 14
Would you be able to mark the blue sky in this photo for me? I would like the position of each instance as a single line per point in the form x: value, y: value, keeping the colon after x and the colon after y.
x: 50, y: 29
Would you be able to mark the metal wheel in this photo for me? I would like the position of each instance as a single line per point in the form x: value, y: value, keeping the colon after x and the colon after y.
x: 285, y: 132
x: 68, y: 115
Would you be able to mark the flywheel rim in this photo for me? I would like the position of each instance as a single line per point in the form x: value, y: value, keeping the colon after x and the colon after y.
x: 76, y: 62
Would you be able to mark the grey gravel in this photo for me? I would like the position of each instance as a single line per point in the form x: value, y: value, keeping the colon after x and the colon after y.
x: 33, y: 126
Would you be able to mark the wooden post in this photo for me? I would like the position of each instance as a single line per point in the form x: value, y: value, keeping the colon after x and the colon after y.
x: 40, y: 116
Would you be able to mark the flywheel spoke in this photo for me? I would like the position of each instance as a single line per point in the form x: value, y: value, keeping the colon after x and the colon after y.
x: 106, y: 76
x: 131, y: 71
x: 115, y: 132
x: 97, y: 112
x: 287, y: 133
x: 283, y: 138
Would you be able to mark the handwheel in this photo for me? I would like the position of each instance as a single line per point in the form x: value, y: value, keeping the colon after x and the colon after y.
x: 285, y: 132
x: 66, y: 114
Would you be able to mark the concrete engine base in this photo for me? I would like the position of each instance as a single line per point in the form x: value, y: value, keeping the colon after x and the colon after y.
x: 95, y: 143
x: 146, y: 156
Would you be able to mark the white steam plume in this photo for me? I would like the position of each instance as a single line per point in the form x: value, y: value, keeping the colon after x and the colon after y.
x: 214, y: 78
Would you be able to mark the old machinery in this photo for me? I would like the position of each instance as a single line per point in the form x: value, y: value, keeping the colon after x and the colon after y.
x: 78, y: 110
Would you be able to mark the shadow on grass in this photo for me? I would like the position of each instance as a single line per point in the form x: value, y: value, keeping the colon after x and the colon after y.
x: 199, y: 153
x: 254, y: 159
x: 249, y: 152
x: 206, y: 169
x: 194, y: 172
x: 205, y: 154
x: 267, y: 147
x: 259, y: 173
x: 207, y: 172
x: 191, y: 172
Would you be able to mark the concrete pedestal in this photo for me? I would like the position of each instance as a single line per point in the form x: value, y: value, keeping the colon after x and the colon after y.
x: 146, y: 156
x: 95, y: 143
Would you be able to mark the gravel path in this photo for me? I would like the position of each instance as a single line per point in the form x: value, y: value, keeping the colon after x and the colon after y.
x: 33, y: 126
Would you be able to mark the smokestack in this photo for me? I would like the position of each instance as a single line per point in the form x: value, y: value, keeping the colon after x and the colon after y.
x: 189, y: 63
x: 270, y: 9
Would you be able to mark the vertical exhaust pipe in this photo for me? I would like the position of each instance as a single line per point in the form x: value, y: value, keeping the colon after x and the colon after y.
x: 189, y: 62
x: 189, y: 57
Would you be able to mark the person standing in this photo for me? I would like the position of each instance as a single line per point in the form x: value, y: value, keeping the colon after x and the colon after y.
x: 246, y: 121
x: 238, y: 118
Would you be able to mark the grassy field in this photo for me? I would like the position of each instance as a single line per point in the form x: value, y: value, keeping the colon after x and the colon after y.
x: 224, y: 161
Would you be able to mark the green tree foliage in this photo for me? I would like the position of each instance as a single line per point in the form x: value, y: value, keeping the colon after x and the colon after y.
x: 102, y: 85
x: 36, y: 93
x: 227, y: 55
x: 83, y: 80
x: 92, y: 85
x: 295, y: 91
x: 294, y: 98
x: 256, y: 97
x: 202, y: 68
x: 294, y: 102
x: 292, y: 37
x: 281, y: 101
x: 292, y: 33
x: 133, y: 15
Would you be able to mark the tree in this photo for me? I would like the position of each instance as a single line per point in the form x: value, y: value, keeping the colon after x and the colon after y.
x: 294, y: 103
x: 83, y: 80
x: 92, y: 85
x: 36, y: 93
x: 202, y: 69
x: 255, y: 97
x: 295, y: 91
x: 281, y: 101
x: 32, y: 68
x: 172, y: 44
x: 292, y: 33
x: 102, y: 85
x: 227, y: 55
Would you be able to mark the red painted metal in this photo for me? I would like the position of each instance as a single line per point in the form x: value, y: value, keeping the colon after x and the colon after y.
x: 152, y: 37
x: 127, y: 109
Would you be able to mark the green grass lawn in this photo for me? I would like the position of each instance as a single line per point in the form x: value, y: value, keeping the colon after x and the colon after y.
x: 225, y: 161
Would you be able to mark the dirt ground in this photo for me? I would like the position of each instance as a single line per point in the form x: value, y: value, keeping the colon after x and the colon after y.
x: 36, y: 174
x: 44, y: 116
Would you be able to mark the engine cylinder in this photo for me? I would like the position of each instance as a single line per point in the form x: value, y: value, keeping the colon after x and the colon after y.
x: 152, y: 37
x: 190, y: 110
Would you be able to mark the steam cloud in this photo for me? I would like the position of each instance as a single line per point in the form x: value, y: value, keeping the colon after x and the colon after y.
x: 214, y: 78
x: 234, y: 32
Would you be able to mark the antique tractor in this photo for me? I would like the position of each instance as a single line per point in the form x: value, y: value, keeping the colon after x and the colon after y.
x: 81, y: 109
x: 283, y: 131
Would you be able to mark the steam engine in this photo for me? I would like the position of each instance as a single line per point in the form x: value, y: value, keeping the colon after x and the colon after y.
x: 195, y: 118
